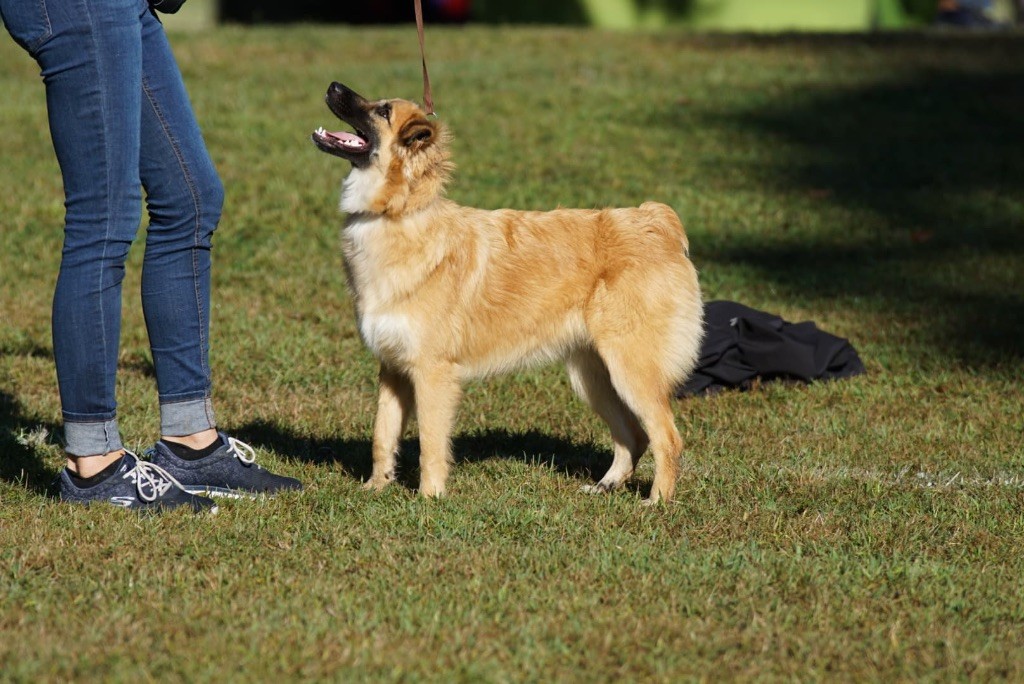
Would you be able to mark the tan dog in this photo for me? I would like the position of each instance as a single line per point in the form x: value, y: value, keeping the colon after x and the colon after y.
x: 444, y: 293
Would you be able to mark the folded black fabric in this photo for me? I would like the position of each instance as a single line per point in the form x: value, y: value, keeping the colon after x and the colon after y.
x: 741, y: 344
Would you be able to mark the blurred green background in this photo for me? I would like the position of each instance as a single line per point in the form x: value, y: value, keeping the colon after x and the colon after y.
x: 712, y: 15
x: 715, y: 14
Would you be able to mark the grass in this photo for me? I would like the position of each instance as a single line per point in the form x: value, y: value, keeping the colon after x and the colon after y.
x: 863, y: 529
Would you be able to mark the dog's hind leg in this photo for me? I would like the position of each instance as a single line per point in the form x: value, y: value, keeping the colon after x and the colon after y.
x: 395, y: 403
x: 590, y: 380
x: 437, y: 399
x: 643, y: 388
x: 645, y: 323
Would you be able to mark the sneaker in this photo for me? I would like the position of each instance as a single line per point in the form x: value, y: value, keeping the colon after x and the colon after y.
x: 135, y: 484
x: 229, y: 471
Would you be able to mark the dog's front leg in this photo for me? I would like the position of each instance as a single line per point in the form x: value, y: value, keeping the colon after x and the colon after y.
x: 437, y: 392
x: 394, y: 406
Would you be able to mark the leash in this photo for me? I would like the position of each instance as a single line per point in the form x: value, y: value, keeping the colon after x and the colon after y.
x: 428, y: 101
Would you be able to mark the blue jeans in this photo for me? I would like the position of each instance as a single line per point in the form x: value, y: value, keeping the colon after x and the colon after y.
x: 121, y: 121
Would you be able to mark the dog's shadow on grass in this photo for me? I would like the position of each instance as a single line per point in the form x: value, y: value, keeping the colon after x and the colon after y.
x: 580, y: 460
x: 20, y: 463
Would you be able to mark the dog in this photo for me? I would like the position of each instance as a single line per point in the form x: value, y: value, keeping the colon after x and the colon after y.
x: 444, y: 293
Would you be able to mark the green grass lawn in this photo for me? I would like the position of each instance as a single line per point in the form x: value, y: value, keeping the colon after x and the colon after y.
x: 867, y: 529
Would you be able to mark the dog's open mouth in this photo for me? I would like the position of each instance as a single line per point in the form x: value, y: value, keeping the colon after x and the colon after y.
x: 330, y: 141
x: 351, y: 107
x: 357, y: 146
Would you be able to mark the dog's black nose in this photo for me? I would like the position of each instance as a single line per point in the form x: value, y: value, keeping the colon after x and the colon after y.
x: 340, y: 93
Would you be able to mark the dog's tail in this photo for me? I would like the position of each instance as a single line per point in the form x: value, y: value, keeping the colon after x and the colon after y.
x: 664, y: 218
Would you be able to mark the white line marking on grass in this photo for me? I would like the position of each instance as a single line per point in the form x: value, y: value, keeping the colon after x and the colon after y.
x: 921, y: 478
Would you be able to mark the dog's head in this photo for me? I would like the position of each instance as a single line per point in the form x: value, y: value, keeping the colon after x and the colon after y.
x: 399, y: 156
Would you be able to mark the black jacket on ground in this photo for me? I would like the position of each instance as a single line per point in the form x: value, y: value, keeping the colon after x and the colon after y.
x: 741, y: 344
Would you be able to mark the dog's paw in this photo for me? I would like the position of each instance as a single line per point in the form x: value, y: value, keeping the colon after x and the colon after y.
x: 376, y: 484
x: 431, y: 490
x: 599, y: 488
x: 652, y: 502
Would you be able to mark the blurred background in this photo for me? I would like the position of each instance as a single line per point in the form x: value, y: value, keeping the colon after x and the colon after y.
x: 723, y: 15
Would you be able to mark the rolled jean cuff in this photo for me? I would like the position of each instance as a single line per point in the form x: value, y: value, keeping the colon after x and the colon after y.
x: 92, y: 439
x: 181, y: 418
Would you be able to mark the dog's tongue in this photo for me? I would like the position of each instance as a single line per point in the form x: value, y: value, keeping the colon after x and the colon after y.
x: 346, y: 138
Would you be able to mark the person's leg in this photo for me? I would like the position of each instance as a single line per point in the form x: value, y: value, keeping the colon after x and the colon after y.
x: 184, y: 198
x: 91, y: 69
x: 90, y: 55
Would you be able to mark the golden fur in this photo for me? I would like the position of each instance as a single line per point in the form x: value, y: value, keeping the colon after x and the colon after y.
x: 444, y: 293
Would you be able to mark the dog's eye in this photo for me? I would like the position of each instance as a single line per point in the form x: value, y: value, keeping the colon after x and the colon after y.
x: 384, y: 111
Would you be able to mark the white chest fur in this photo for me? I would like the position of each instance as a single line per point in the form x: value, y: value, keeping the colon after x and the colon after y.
x: 388, y: 336
x: 359, y: 190
x: 379, y: 287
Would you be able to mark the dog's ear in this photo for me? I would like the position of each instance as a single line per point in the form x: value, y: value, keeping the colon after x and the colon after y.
x: 417, y: 133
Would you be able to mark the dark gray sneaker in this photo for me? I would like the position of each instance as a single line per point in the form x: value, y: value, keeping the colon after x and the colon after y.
x: 135, y: 484
x: 229, y: 471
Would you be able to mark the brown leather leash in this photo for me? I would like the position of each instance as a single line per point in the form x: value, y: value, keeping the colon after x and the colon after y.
x: 428, y: 101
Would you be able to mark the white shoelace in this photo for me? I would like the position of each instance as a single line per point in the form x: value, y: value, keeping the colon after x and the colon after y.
x: 158, y: 479
x: 242, y: 451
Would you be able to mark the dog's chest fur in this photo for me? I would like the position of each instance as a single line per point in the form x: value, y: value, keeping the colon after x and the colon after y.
x: 359, y: 191
x: 386, y: 265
